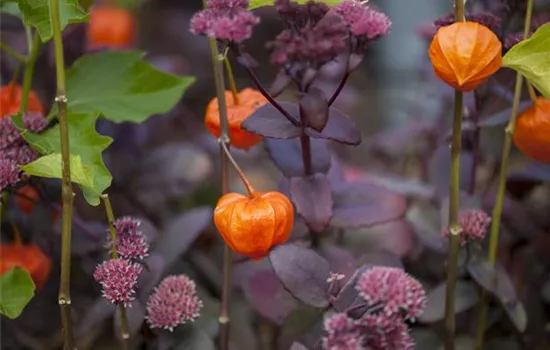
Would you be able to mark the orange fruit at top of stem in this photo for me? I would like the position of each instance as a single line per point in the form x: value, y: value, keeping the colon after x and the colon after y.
x: 111, y: 26
x: 28, y: 257
x: 532, y: 131
x: 248, y: 101
x: 28, y: 196
x: 465, y: 54
x: 251, y: 225
x: 10, y: 100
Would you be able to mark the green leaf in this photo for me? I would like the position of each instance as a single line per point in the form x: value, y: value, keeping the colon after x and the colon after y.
x: 259, y: 3
x: 10, y: 8
x: 36, y: 13
x: 531, y: 58
x: 122, y: 87
x: 86, y: 147
x: 16, y: 290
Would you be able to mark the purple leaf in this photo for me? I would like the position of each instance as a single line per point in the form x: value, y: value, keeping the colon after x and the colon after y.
x: 314, y: 109
x: 362, y: 204
x: 282, y: 80
x: 303, y: 273
x: 304, y: 324
x: 95, y: 314
x: 312, y: 196
x: 269, y: 122
x: 381, y: 258
x: 494, y: 279
x: 152, y: 272
x: 404, y: 186
x: 466, y: 297
x: 340, y: 128
x: 297, y: 346
x: 268, y: 296
x: 348, y: 294
x: 135, y: 315
x: 393, y: 141
x: 181, y: 232
x: 340, y: 261
x: 523, y: 181
x: 287, y: 156
x: 439, y: 170
x: 501, y: 117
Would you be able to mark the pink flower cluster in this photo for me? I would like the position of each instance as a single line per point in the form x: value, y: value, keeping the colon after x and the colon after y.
x: 130, y: 242
x: 392, y: 297
x: 118, y: 277
x: 473, y: 224
x: 365, y: 23
x: 373, y: 332
x: 225, y: 20
x: 173, y: 302
x: 514, y: 38
x: 14, y: 151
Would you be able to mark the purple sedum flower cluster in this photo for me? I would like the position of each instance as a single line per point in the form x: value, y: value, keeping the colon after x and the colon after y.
x: 473, y: 225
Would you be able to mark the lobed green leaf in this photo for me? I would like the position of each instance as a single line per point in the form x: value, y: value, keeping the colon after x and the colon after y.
x: 16, y: 291
x: 260, y: 3
x: 531, y: 58
x: 86, y: 147
x: 37, y: 14
x: 122, y: 87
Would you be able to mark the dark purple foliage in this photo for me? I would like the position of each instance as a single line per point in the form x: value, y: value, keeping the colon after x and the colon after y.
x: 363, y: 204
x: 303, y: 273
x: 314, y: 109
x: 312, y: 197
x: 287, y: 156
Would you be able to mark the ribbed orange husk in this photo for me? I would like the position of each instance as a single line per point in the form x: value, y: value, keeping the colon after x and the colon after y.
x: 10, y: 101
x: 28, y: 257
x: 111, y: 27
x: 532, y: 131
x: 252, y: 225
x: 249, y: 101
x: 465, y: 54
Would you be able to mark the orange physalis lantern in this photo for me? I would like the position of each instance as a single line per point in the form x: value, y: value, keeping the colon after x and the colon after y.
x: 248, y: 101
x: 28, y: 257
x: 532, y: 131
x: 111, y: 27
x: 10, y: 100
x: 465, y: 54
x: 251, y: 225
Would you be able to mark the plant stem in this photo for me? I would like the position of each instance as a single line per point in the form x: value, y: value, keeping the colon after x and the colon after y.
x: 268, y: 96
x: 224, y: 319
x: 231, y: 78
x: 238, y: 169
x: 339, y: 89
x: 9, y: 50
x: 454, y: 226
x: 305, y: 142
x: 475, y: 145
x: 29, y: 72
x: 531, y: 90
x: 124, y: 328
x: 67, y: 195
x: 501, y: 191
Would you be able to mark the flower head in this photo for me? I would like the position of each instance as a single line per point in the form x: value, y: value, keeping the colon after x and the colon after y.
x: 173, y: 302
x: 486, y: 18
x: 311, y: 45
x: 118, y: 277
x: 364, y: 22
x: 512, y: 39
x: 9, y: 173
x: 225, y: 20
x: 12, y: 144
x: 393, y: 290
x: 372, y: 332
x: 130, y: 242
x: 473, y: 225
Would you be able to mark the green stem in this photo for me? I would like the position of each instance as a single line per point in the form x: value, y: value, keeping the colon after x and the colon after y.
x: 29, y: 72
x: 66, y: 186
x: 224, y: 319
x: 454, y: 225
x: 231, y: 78
x: 501, y: 191
x: 9, y: 50
x: 124, y: 328
x: 237, y: 168
x: 531, y: 90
